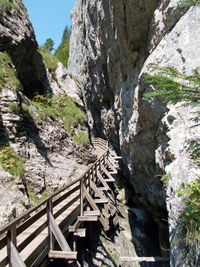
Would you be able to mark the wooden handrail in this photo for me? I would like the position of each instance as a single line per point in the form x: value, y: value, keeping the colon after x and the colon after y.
x: 21, y: 223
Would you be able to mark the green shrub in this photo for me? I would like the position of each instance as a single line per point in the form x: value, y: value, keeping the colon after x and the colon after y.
x: 11, y: 162
x: 50, y: 60
x: 14, y: 107
x: 189, y: 3
x: 190, y: 218
x: 61, y: 107
x: 6, y: 5
x: 8, y: 76
x: 81, y: 139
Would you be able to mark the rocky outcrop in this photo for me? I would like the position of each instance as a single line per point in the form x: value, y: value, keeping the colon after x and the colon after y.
x: 50, y: 156
x: 112, y: 44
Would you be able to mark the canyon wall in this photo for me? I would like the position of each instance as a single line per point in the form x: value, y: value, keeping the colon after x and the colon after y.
x: 112, y: 44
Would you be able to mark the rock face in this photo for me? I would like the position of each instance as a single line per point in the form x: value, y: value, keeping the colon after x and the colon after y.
x: 112, y: 44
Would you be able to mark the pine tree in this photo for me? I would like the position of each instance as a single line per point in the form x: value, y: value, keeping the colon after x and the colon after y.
x: 173, y: 85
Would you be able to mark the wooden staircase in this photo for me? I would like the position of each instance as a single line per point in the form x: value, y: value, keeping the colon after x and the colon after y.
x: 35, y: 235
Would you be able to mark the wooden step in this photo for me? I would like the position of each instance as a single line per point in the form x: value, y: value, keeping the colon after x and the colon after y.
x: 68, y: 255
x: 88, y: 218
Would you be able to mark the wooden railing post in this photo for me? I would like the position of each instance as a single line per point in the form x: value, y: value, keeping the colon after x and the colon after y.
x: 81, y: 196
x: 11, y: 237
x: 50, y: 234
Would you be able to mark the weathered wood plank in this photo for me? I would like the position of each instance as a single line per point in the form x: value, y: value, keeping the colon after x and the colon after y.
x: 88, y: 218
x: 92, y: 212
x: 58, y: 234
x: 80, y: 232
x: 32, y: 236
x: 141, y: 259
x: 101, y: 200
x: 70, y: 255
x: 14, y: 257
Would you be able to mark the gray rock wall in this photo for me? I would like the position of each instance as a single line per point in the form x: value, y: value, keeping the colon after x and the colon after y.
x: 112, y: 44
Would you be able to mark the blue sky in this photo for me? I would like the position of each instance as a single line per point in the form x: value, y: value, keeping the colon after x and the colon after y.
x: 49, y: 18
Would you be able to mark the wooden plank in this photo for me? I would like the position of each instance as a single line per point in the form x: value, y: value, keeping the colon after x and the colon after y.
x: 58, y: 234
x: 101, y: 200
x: 92, y: 212
x: 108, y: 174
x: 32, y: 236
x: 141, y: 259
x: 15, y: 258
x: 65, y: 207
x: 66, y: 195
x: 95, y: 207
x: 69, y: 255
x: 88, y: 218
x: 30, y: 221
x: 103, y: 181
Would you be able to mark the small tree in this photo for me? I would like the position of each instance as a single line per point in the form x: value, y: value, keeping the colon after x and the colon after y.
x: 48, y: 45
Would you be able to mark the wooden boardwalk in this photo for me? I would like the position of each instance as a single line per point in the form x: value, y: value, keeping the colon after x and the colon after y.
x: 35, y: 235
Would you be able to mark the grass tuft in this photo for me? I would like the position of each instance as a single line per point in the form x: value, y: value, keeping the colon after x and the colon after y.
x: 8, y: 76
x: 11, y: 162
x: 81, y: 139
x: 50, y: 61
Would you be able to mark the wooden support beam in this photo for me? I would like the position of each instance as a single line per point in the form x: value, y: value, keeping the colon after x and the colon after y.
x: 111, y: 179
x: 88, y: 218
x: 103, y: 181
x: 98, y: 192
x: 141, y: 259
x: 14, y: 257
x: 68, y: 255
x: 111, y: 166
x: 103, y: 221
x: 58, y: 234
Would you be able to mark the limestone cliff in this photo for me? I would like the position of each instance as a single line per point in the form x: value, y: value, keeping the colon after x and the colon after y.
x: 43, y: 143
x: 112, y: 44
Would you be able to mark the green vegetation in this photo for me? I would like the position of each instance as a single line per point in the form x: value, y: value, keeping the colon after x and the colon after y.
x: 6, y: 5
x: 190, y: 218
x: 14, y: 107
x: 8, y: 76
x: 173, y: 85
x: 50, y: 60
x: 62, y: 52
x: 61, y: 107
x: 81, y: 139
x: 194, y: 150
x: 11, y: 162
x: 48, y: 45
x: 189, y: 3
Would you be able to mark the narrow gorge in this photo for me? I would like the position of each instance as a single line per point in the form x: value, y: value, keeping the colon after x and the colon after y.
x: 48, y: 115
